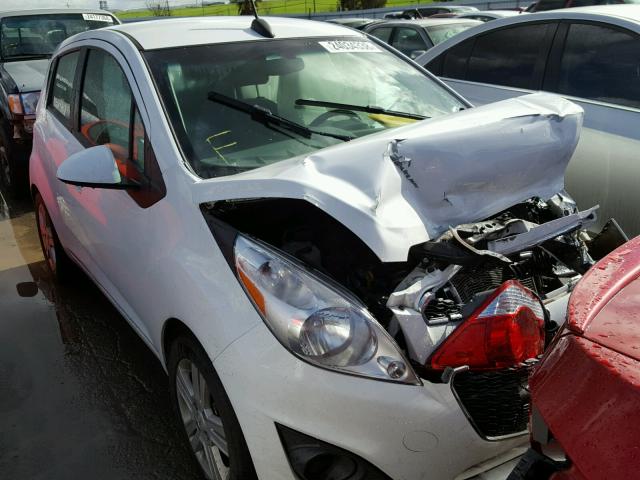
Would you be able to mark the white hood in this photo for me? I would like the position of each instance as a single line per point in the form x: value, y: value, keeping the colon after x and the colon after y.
x: 404, y: 186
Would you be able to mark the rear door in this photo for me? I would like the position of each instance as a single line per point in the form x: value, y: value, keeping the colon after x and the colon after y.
x: 598, y: 66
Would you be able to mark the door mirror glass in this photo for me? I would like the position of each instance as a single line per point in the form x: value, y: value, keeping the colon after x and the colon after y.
x: 93, y: 167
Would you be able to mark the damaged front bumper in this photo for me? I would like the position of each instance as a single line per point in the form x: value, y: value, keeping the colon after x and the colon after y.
x: 408, y: 432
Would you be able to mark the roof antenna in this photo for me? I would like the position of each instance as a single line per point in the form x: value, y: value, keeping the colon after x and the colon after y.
x: 260, y: 25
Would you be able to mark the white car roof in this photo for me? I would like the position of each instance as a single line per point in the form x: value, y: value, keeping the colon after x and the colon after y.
x: 627, y: 11
x: 627, y: 16
x: 178, y: 32
x: 496, y: 13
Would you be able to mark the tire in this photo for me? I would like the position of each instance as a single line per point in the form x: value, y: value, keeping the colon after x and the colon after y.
x: 12, y: 173
x: 216, y: 428
x: 55, y: 257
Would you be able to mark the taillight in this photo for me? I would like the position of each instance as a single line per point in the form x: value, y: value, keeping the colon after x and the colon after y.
x: 507, y: 329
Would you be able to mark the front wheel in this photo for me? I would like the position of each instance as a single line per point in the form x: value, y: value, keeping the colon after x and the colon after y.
x: 210, y: 426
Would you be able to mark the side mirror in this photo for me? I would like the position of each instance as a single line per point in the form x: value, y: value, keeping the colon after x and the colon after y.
x: 416, y: 53
x: 93, y: 167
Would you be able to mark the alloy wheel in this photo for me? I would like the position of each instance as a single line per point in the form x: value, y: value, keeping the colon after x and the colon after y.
x: 202, y: 421
x: 45, y: 229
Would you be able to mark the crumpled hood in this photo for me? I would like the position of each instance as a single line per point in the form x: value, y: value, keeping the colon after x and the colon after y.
x: 407, y: 185
x: 28, y: 75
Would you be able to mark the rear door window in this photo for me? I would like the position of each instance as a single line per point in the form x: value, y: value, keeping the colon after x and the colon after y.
x: 62, y: 90
x: 382, y: 33
x: 601, y: 63
x: 513, y: 57
x: 408, y: 40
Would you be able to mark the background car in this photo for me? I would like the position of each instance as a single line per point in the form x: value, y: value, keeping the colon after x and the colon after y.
x: 488, y: 15
x: 415, y: 37
x: 27, y: 40
x: 544, y: 5
x: 588, y: 55
x: 424, y: 12
x: 586, y: 390
x: 279, y: 244
x: 357, y: 23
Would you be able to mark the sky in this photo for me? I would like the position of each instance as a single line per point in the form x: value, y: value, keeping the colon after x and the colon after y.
x: 117, y: 4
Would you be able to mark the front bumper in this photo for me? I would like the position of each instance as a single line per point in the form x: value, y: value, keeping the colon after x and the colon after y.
x: 408, y: 432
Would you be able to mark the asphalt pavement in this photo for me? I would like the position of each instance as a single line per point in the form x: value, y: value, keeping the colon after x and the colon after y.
x: 81, y: 396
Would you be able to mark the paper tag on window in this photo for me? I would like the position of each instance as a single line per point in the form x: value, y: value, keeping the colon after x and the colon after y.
x: 97, y: 18
x: 349, y: 46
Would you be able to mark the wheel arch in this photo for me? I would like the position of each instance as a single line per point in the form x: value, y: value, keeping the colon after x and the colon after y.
x: 172, y: 329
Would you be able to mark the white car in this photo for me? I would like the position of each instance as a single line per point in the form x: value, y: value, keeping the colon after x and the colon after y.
x: 587, y: 54
x: 488, y: 15
x: 336, y: 288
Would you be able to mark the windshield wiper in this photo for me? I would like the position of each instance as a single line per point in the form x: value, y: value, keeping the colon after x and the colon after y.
x: 267, y: 118
x: 358, y: 108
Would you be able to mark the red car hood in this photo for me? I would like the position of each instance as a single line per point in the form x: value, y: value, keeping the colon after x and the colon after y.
x: 605, y: 306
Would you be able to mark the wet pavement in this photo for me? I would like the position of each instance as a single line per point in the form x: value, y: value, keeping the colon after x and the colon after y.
x: 80, y: 394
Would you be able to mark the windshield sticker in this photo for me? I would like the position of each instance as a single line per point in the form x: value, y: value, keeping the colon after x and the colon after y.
x: 97, y: 18
x: 349, y: 46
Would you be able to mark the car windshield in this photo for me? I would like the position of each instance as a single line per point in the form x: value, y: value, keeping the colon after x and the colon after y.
x: 39, y: 35
x: 240, y: 106
x: 440, y: 33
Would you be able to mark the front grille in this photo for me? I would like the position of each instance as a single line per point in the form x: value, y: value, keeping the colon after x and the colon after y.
x: 497, y: 403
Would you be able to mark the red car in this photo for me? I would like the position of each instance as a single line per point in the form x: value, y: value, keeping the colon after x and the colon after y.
x: 585, y: 422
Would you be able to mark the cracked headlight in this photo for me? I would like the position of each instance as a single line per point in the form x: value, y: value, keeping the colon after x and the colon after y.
x: 315, y: 319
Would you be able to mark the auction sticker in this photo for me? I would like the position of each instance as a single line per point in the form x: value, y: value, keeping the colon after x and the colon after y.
x: 97, y: 18
x: 349, y: 46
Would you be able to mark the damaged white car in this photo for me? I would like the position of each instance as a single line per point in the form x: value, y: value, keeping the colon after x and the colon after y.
x: 347, y: 272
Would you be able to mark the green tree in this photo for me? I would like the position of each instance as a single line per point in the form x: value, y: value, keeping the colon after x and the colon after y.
x: 245, y: 7
x: 361, y: 4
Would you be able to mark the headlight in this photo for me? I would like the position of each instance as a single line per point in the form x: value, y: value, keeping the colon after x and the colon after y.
x: 24, y: 103
x: 316, y: 320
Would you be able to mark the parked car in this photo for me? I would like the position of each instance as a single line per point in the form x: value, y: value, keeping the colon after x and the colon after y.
x: 586, y: 390
x: 488, y: 15
x: 357, y: 23
x: 586, y: 54
x: 27, y: 40
x: 313, y: 279
x: 415, y: 37
x: 544, y: 5
x: 424, y: 12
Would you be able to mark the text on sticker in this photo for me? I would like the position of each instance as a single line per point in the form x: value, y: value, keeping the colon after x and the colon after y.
x: 97, y: 18
x: 348, y: 46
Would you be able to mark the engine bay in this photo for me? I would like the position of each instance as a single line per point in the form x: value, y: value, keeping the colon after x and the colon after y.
x: 543, y: 245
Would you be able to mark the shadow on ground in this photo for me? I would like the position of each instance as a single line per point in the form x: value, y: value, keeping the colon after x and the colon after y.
x: 80, y: 394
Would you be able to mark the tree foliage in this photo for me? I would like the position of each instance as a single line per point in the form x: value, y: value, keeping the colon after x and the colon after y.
x: 361, y: 4
x: 245, y: 7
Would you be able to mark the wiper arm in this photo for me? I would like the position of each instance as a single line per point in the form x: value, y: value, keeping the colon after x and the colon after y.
x: 266, y: 117
x: 358, y: 108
